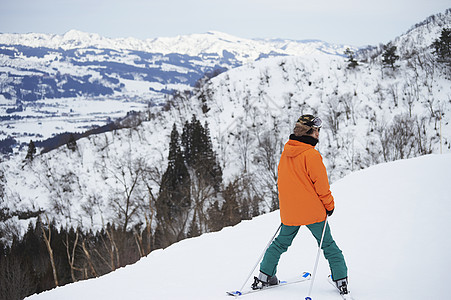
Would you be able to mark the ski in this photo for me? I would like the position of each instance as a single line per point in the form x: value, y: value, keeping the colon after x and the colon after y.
x: 304, y: 277
x: 344, y: 296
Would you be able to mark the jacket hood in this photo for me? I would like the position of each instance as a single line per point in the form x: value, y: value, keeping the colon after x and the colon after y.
x: 293, y: 148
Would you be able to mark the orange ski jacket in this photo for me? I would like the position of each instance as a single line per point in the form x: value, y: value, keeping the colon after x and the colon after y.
x: 304, y: 191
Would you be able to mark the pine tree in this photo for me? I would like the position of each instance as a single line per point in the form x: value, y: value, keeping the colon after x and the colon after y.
x: 177, y: 177
x: 2, y: 190
x: 215, y: 217
x: 174, y: 198
x: 442, y: 46
x: 31, y: 151
x: 203, y: 167
x: 389, y: 56
x: 72, y: 143
x: 230, y: 208
x: 351, y: 58
x: 198, y: 153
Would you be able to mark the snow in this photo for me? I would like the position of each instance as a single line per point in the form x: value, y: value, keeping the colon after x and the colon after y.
x: 193, y: 44
x: 390, y: 222
x: 140, y: 90
x: 48, y: 117
x: 246, y: 104
x: 389, y: 218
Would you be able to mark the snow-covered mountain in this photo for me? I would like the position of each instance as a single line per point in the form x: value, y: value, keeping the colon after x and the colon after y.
x: 58, y: 82
x: 212, y: 42
x: 77, y: 63
x: 389, y: 222
x: 371, y: 114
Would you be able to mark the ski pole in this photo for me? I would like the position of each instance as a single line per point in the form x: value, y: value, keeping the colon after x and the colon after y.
x: 316, y: 262
x: 263, y: 253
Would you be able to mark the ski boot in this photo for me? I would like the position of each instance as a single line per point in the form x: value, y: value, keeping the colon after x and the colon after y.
x: 264, y: 280
x: 342, y: 285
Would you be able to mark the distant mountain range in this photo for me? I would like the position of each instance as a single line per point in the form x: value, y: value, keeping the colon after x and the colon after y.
x: 40, y: 66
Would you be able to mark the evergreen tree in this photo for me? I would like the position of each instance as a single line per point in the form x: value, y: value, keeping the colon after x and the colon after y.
x: 159, y: 240
x: 198, y: 153
x: 230, y: 208
x: 72, y: 143
x: 191, y: 181
x: 256, y: 206
x: 389, y: 56
x: 442, y: 46
x: 215, y: 217
x: 32, y: 248
x: 174, y: 197
x: 205, y: 172
x: 31, y: 151
x: 2, y: 189
x: 351, y: 58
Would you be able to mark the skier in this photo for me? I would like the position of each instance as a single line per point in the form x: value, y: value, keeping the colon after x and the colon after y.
x: 304, y: 199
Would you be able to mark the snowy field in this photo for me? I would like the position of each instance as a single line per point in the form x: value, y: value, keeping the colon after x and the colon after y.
x: 391, y: 221
x: 45, y: 118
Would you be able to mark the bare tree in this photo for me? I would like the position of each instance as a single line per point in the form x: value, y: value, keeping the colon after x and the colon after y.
x: 405, y: 137
x: 411, y: 94
x: 48, y: 239
x: 201, y: 192
x: 348, y: 144
x: 393, y: 90
x: 71, y: 255
x: 151, y: 177
x: 244, y: 139
x: 127, y: 200
x: 89, y: 259
x: 423, y: 143
x: 138, y: 234
x: 61, y: 186
x: 110, y: 255
x: 349, y: 103
x: 267, y: 156
x: 333, y: 115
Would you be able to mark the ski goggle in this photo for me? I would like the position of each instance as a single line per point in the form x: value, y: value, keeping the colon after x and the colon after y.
x: 315, y: 123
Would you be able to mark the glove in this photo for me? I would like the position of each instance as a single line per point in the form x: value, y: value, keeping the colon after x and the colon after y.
x: 330, y: 212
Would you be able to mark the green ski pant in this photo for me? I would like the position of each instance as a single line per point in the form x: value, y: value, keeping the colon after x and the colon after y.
x: 280, y: 245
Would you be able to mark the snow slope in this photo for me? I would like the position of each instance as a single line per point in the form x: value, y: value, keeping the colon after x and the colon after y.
x: 390, y: 221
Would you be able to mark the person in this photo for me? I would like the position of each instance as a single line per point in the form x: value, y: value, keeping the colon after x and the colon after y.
x: 304, y: 199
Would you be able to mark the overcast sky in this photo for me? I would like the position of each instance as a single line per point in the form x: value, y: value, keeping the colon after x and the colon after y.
x: 354, y: 22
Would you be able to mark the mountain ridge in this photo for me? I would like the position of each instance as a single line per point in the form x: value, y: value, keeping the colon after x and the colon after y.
x: 38, y: 69
x: 192, y: 44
